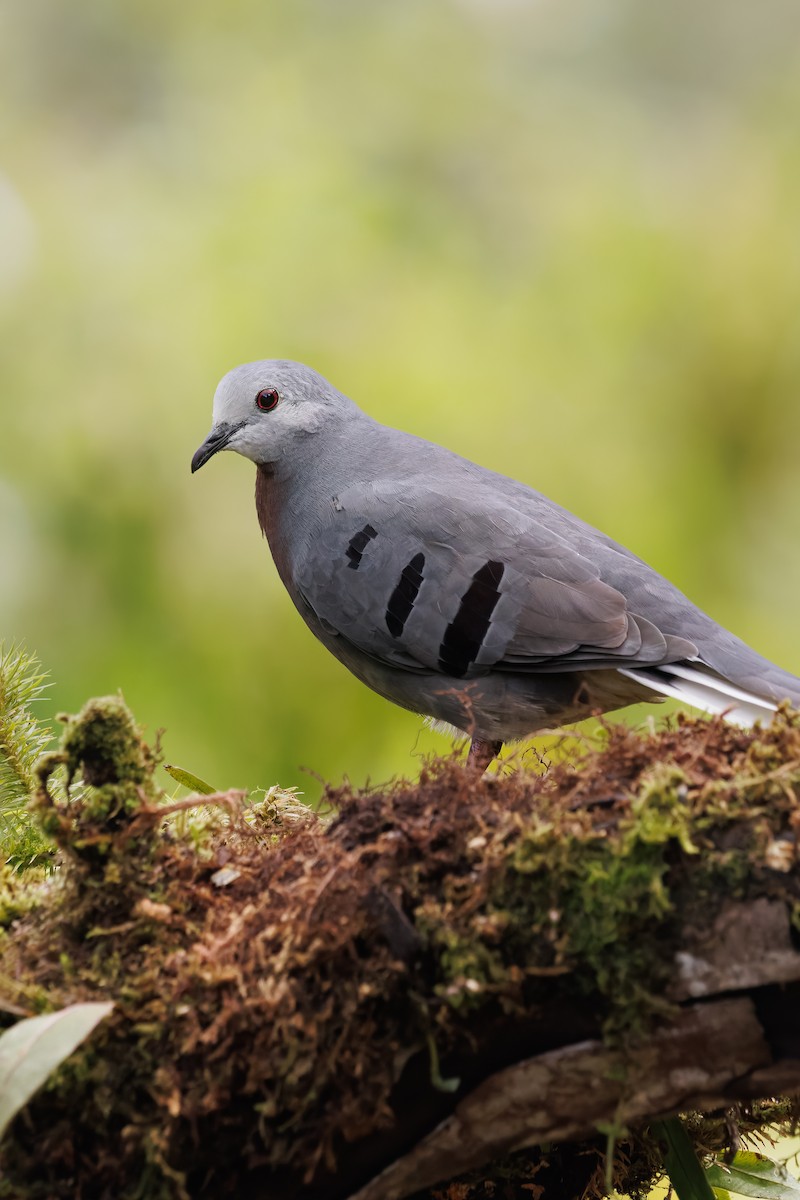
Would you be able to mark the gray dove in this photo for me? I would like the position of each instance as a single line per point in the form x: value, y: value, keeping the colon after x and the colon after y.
x: 457, y: 592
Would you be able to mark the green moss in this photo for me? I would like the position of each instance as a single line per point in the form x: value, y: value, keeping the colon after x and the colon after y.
x: 469, y: 966
x: 92, y: 789
x: 598, y: 907
x: 104, y: 745
x: 567, y: 899
x: 19, y: 893
x: 660, y: 811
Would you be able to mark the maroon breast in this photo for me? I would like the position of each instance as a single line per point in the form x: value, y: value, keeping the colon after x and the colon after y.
x: 268, y: 507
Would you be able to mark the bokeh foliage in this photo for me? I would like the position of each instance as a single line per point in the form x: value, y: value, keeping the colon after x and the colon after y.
x: 561, y: 238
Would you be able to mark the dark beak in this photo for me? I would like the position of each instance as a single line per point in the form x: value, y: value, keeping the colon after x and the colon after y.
x: 217, y: 440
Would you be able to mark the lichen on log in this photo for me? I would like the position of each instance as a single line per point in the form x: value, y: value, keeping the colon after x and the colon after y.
x: 443, y: 973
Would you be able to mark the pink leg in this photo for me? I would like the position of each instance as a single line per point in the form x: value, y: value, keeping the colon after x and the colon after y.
x: 481, y: 753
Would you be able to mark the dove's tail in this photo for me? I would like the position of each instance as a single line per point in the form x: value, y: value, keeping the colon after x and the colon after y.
x: 749, y: 690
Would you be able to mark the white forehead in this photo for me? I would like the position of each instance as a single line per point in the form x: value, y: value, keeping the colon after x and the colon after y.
x: 236, y: 392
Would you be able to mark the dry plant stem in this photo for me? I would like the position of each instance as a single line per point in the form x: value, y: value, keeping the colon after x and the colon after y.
x: 230, y: 800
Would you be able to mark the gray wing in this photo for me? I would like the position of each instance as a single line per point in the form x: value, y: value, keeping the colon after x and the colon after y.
x: 424, y: 580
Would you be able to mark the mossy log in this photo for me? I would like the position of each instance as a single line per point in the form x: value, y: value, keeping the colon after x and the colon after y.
x: 709, y: 1056
x: 460, y: 979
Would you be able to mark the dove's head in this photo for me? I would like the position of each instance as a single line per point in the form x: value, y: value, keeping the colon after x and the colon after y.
x: 263, y: 410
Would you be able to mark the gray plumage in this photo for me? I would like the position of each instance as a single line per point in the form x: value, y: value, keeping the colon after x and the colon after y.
x: 457, y: 592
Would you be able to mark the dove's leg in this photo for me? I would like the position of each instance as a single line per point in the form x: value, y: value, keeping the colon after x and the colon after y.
x: 481, y: 753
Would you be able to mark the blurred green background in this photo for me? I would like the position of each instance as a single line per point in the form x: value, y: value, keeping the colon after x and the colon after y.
x: 563, y: 239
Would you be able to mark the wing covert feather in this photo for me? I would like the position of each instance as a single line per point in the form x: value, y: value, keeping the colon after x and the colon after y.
x: 424, y: 580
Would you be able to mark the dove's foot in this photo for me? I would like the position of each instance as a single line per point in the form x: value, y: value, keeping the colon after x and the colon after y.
x: 481, y: 753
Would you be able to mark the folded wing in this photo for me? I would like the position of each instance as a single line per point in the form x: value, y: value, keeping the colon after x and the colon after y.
x: 466, y: 584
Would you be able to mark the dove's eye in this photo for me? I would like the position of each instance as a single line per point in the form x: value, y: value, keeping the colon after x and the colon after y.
x: 267, y: 399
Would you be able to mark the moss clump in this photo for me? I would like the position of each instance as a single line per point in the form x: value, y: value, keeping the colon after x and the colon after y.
x: 104, y: 744
x: 283, y: 999
x: 103, y: 748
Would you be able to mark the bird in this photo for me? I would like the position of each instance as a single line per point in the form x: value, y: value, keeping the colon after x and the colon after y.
x: 457, y: 592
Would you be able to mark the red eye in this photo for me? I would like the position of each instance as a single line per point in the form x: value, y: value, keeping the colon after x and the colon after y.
x: 267, y: 399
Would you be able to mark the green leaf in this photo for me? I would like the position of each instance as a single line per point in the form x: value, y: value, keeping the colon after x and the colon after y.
x: 437, y: 1079
x: 35, y: 1046
x: 681, y: 1162
x: 188, y: 780
x: 752, y: 1174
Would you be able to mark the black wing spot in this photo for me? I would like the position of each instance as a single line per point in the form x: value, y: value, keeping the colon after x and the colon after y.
x: 402, y: 598
x: 464, y: 635
x: 357, y: 544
